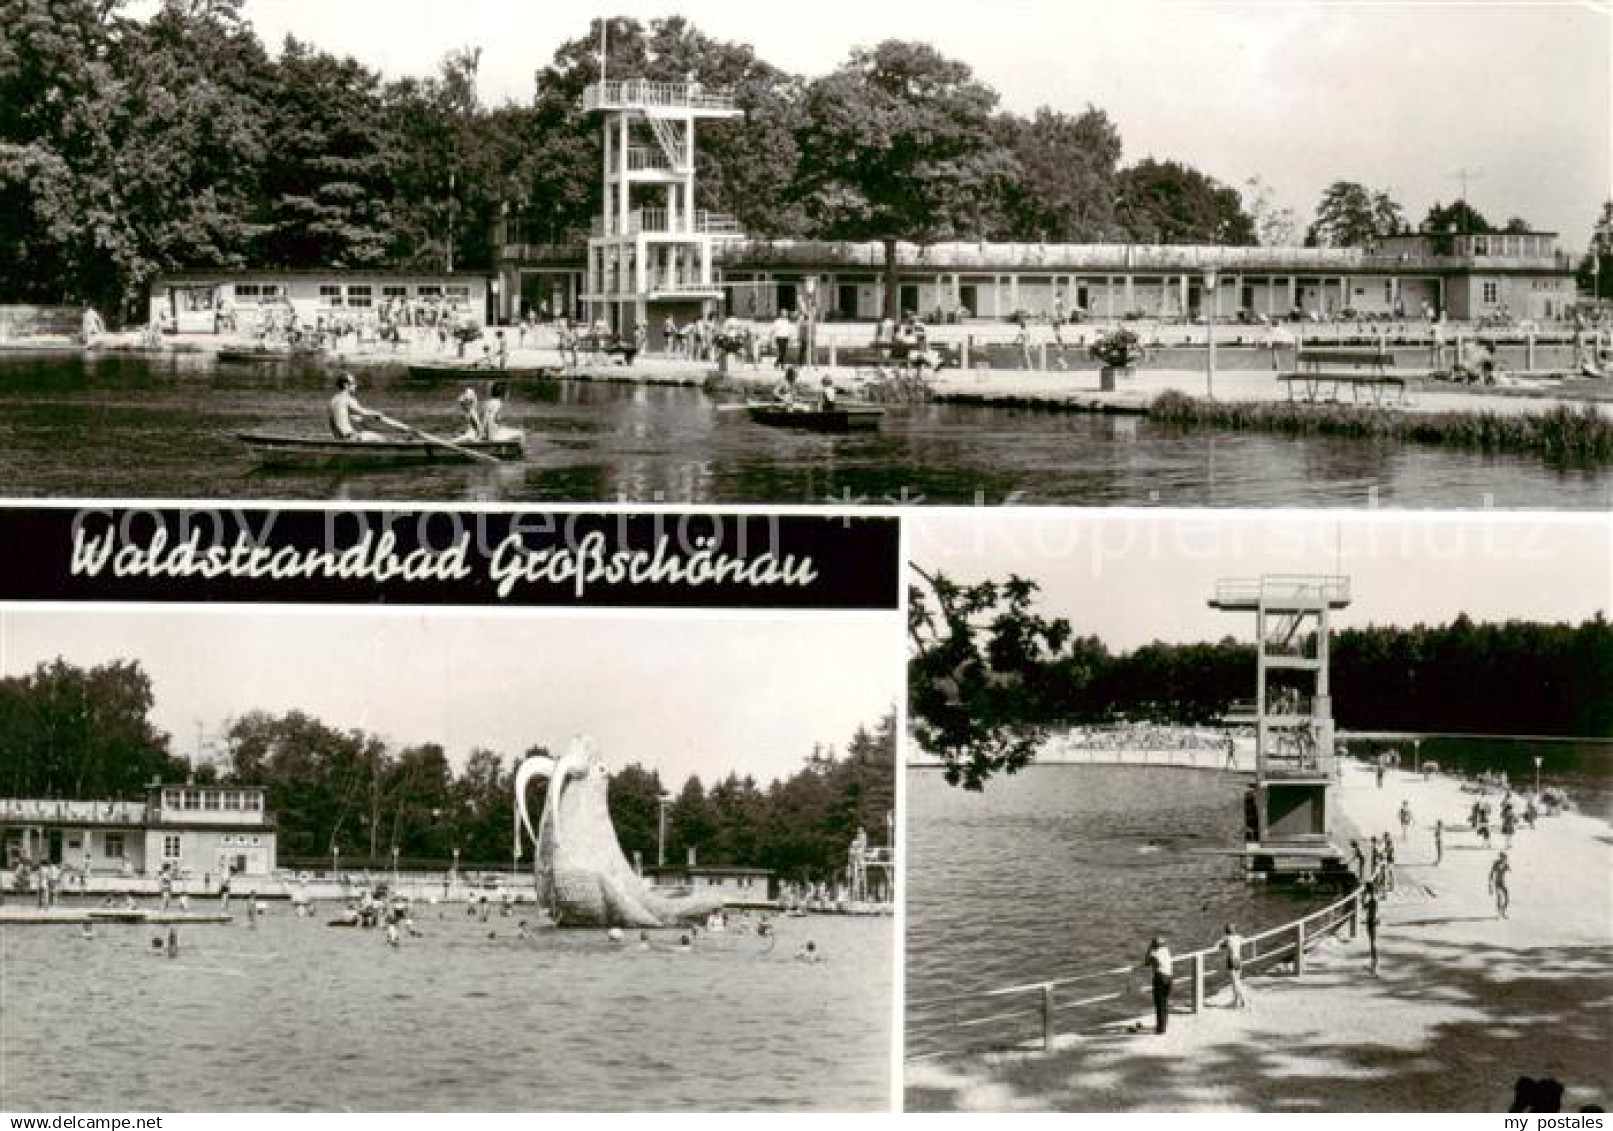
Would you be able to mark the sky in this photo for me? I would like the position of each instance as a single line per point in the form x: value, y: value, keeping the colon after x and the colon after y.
x: 1131, y: 579
x: 680, y: 693
x: 1400, y: 96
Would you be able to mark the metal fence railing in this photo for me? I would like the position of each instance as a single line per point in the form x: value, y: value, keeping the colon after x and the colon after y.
x: 1033, y: 1014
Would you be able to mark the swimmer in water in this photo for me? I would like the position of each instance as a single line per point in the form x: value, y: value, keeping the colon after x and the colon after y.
x: 809, y: 953
x: 88, y: 932
x: 392, y: 934
x: 173, y: 942
x: 684, y: 943
x: 644, y: 940
x: 615, y: 935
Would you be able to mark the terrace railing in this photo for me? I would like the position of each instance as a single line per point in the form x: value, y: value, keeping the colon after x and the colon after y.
x: 116, y: 813
x: 1034, y: 1014
x: 1124, y: 258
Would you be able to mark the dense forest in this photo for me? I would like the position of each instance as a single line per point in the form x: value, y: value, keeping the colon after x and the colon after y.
x: 77, y: 733
x: 989, y: 676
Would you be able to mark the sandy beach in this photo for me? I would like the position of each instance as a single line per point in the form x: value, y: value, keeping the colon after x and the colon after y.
x: 1463, y: 1003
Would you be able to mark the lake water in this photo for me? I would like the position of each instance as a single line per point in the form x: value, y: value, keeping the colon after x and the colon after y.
x: 1062, y: 870
x: 296, y: 1016
x: 113, y: 426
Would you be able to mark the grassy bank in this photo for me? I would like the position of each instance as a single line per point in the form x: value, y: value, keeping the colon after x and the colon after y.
x: 1570, y: 435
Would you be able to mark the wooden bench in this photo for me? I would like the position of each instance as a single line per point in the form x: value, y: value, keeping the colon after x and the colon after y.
x: 1375, y: 359
x: 1369, y: 371
x: 1323, y: 386
x: 877, y: 354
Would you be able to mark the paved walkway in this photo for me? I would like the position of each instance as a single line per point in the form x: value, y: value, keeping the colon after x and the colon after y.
x: 1463, y: 1004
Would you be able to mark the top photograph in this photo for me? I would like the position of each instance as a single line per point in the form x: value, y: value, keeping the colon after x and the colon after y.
x: 1208, y: 255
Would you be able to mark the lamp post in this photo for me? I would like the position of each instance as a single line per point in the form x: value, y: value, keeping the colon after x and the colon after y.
x: 1538, y: 760
x: 456, y: 864
x: 1212, y: 284
x: 660, y: 838
x: 335, y: 862
x: 394, y: 867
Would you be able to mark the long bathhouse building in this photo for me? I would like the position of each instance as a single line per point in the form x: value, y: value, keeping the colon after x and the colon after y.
x: 1462, y: 278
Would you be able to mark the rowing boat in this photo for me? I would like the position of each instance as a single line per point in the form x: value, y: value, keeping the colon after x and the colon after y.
x: 266, y: 355
x: 482, y: 373
x: 841, y: 418
x: 322, y: 452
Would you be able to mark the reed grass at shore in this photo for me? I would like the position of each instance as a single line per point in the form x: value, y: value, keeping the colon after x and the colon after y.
x: 1564, y: 434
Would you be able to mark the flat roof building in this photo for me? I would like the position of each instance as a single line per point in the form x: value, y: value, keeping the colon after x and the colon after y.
x: 1468, y: 277
x: 192, y: 830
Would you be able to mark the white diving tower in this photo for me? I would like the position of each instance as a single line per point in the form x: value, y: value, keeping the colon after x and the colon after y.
x: 1292, y: 713
x: 650, y: 251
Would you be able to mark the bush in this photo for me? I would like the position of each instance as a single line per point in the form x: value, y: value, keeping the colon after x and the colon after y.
x: 1119, y: 348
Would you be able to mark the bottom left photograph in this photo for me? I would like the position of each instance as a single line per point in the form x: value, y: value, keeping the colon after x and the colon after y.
x: 384, y: 860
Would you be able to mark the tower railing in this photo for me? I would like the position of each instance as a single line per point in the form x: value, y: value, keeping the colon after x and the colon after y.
x: 626, y: 94
x: 657, y: 221
x: 647, y: 158
x: 1282, y: 586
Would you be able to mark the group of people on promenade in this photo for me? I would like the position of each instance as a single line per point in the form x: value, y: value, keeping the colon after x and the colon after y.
x: 1375, y: 866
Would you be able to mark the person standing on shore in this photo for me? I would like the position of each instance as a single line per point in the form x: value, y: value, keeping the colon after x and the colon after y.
x: 1158, y: 960
x: 1360, y: 859
x: 1498, y: 884
x: 1232, y: 943
x: 1388, y: 863
x: 782, y: 331
x: 1369, y: 908
x: 1439, y: 842
x: 1405, y: 819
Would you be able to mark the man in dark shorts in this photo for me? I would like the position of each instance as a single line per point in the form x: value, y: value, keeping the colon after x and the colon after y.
x: 1498, y: 884
x: 1158, y: 960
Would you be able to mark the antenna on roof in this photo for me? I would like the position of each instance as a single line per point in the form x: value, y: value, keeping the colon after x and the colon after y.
x: 1464, y: 175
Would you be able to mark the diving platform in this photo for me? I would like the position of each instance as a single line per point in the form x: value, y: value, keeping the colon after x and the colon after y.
x: 651, y: 251
x: 669, y: 99
x: 1288, y: 811
x: 1281, y: 592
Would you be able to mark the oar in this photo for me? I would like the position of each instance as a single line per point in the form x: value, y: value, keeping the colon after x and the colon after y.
x: 440, y: 442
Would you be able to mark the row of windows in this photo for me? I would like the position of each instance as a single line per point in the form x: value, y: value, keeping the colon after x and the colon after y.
x: 213, y: 800
x: 249, y: 294
x: 362, y: 295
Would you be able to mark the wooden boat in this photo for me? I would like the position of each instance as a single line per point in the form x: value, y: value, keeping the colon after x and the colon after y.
x: 472, y: 373
x: 323, y: 452
x: 266, y: 356
x: 841, y: 418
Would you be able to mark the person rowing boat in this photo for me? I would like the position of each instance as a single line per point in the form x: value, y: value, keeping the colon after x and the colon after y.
x: 347, y: 417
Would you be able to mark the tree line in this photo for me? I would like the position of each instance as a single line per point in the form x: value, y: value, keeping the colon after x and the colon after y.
x: 130, y: 147
x: 990, y: 677
x: 75, y: 733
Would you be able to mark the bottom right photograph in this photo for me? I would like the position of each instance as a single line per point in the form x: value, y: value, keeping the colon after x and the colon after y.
x: 1277, y: 812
